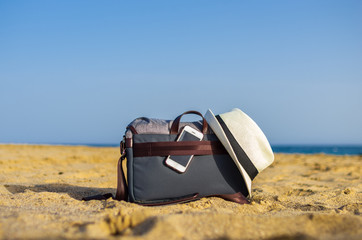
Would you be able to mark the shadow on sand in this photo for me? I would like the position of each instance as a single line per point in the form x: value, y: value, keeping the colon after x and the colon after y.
x: 75, y: 192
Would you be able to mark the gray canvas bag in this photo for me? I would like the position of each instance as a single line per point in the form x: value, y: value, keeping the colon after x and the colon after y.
x: 145, y: 146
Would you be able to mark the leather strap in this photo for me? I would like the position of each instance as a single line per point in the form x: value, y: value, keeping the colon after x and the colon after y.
x: 133, y: 130
x: 175, y: 125
x: 236, y: 197
x: 178, y: 148
x: 183, y: 199
x: 122, y: 190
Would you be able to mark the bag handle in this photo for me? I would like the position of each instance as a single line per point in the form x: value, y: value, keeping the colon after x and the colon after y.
x: 175, y: 125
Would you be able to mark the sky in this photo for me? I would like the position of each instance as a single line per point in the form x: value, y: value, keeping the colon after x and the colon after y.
x: 77, y: 72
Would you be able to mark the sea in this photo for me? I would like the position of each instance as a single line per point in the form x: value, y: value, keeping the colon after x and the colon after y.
x: 315, y: 149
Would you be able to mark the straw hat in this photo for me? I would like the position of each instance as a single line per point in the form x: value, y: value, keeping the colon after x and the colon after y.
x: 243, y: 140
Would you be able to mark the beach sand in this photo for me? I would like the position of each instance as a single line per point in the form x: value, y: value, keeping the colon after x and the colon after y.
x: 297, y: 197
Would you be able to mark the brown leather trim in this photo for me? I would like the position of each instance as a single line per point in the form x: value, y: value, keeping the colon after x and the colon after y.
x: 175, y: 125
x: 236, y: 197
x: 133, y: 130
x: 178, y: 148
x: 179, y: 200
x: 122, y: 190
x: 128, y: 142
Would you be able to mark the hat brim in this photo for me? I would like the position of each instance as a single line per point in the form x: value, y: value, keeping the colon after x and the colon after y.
x: 219, y: 132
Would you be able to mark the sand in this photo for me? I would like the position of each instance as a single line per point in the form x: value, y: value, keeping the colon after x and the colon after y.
x: 298, y: 197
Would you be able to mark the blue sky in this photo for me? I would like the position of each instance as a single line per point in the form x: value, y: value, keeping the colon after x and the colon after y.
x: 80, y: 71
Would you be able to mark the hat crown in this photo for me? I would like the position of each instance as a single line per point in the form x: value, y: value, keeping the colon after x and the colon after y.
x: 250, y: 138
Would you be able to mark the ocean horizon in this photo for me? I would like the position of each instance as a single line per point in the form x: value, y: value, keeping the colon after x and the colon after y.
x: 319, y: 149
x: 277, y: 148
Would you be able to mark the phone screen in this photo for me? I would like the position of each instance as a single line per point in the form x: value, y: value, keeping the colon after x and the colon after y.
x: 183, y: 160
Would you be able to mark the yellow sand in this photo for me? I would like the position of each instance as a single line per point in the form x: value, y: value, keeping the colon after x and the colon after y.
x: 298, y: 197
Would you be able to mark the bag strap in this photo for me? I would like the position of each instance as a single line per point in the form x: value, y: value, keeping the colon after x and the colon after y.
x: 148, y: 149
x: 175, y: 125
x: 122, y: 189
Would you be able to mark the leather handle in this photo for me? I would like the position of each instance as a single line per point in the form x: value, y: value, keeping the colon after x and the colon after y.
x: 176, y: 122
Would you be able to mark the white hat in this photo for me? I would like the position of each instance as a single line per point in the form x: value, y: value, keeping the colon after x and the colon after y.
x: 244, y: 141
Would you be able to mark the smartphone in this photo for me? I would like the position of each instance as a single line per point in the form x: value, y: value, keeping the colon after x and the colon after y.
x: 180, y: 163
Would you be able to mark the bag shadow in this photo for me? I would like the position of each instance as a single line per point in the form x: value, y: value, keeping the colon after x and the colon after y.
x: 76, y: 192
